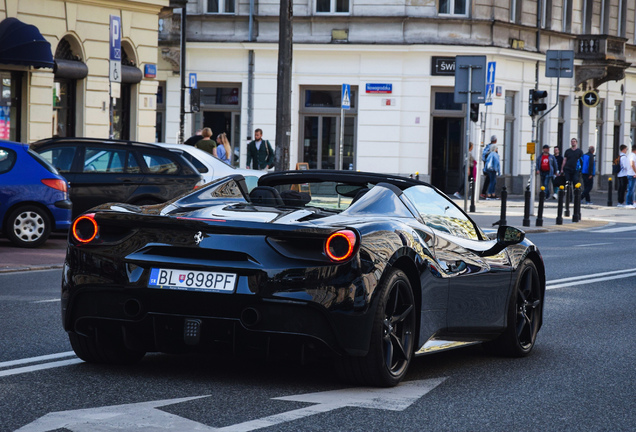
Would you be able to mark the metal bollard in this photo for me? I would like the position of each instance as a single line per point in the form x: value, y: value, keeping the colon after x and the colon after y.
x: 526, y: 207
x: 559, y: 219
x: 568, y: 189
x: 576, y: 214
x: 417, y: 175
x: 539, y: 221
x: 472, y: 196
x: 609, y: 192
x: 502, y: 214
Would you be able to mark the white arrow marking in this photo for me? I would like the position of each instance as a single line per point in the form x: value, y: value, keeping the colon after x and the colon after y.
x: 396, y: 398
x: 141, y: 416
x: 145, y: 416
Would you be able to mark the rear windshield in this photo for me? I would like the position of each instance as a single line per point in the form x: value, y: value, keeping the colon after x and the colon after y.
x: 43, y: 162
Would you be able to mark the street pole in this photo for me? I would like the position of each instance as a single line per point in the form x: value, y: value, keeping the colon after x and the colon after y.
x: 466, y: 158
x: 341, y: 150
x: 283, y: 94
x: 183, y: 75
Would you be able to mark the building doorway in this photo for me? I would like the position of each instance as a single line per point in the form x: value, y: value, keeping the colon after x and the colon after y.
x: 228, y: 122
x: 447, y: 153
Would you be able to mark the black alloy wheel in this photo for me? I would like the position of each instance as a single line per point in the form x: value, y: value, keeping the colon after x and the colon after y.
x: 524, y: 315
x: 392, y: 337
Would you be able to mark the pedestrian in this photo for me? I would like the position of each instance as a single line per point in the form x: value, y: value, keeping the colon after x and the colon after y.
x: 194, y: 138
x: 588, y: 170
x: 493, y: 168
x: 547, y: 167
x: 206, y: 143
x: 471, y: 172
x: 484, y: 155
x: 631, y: 178
x: 259, y: 152
x: 623, y: 161
x: 571, y: 166
x: 223, y: 148
x: 559, y: 173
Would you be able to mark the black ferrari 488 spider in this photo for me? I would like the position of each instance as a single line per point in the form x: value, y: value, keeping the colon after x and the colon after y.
x: 371, y: 269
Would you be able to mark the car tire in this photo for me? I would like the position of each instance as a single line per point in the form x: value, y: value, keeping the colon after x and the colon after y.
x: 103, y: 347
x: 28, y: 226
x: 392, y: 337
x: 524, y: 317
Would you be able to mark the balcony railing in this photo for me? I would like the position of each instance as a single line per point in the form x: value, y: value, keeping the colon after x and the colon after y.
x: 600, y: 47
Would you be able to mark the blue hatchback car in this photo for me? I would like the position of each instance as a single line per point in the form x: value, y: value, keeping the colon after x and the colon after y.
x: 33, y: 196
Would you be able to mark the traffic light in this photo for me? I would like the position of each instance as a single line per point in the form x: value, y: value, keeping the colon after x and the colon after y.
x: 474, y: 112
x: 195, y: 100
x: 534, y: 104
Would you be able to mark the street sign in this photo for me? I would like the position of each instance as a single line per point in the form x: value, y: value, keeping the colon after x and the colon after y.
x: 346, y: 96
x: 115, y: 48
x: 477, y: 67
x: 193, y: 80
x: 490, y: 75
x: 489, y: 91
x: 590, y: 99
x: 559, y: 63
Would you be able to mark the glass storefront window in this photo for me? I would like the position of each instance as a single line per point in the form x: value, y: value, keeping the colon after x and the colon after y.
x: 446, y: 101
x: 219, y: 96
x: 10, y: 105
x: 326, y: 99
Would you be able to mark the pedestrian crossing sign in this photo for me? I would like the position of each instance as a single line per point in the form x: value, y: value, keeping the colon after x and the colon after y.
x: 346, y: 96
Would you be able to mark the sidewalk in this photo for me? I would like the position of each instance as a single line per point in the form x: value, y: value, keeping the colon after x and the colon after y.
x: 487, y: 212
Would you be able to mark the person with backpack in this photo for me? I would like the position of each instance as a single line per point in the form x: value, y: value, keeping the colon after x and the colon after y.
x: 260, y: 152
x: 623, y: 161
x: 588, y: 170
x: 493, y: 169
x: 484, y: 155
x: 547, y: 167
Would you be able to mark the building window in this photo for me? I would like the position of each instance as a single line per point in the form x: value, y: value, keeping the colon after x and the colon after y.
x: 509, y: 131
x: 618, y: 112
x: 515, y: 11
x: 567, y: 16
x: 221, y: 7
x: 561, y: 125
x: 160, y: 124
x: 632, y: 129
x: 546, y: 14
x: 332, y: 6
x: 622, y: 19
x: 598, y: 139
x: 445, y: 101
x: 453, y: 7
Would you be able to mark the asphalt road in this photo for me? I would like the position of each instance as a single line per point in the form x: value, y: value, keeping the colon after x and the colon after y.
x: 579, y: 377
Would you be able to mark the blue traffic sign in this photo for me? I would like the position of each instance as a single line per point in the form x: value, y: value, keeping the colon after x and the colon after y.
x: 490, y: 74
x: 346, y: 96
x: 193, y: 80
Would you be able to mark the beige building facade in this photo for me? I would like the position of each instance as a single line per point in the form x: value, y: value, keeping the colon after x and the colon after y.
x: 70, y: 92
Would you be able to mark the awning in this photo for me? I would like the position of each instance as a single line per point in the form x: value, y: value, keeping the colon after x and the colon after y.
x: 131, y: 74
x: 70, y: 69
x: 23, y: 44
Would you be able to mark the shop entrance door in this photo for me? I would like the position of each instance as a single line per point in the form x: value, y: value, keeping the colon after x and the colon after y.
x: 228, y: 122
x: 320, y: 142
x: 447, y: 153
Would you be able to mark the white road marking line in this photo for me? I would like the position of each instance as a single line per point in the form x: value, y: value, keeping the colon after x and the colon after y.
x: 47, y: 301
x: 614, y: 230
x: 587, y: 277
x: 593, y: 244
x: 36, y: 359
x: 589, y: 281
x: 39, y: 367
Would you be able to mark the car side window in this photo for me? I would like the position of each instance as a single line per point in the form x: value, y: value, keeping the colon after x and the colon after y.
x: 133, y: 166
x: 102, y: 160
x: 440, y: 213
x: 7, y: 159
x: 196, y: 162
x: 60, y: 157
x: 160, y: 164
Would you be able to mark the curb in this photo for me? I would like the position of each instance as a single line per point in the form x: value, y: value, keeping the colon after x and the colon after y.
x: 30, y: 268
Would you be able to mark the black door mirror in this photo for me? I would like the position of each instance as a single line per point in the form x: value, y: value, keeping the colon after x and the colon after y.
x: 508, y: 235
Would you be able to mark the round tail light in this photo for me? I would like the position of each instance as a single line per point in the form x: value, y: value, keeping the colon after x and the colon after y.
x: 85, y: 228
x: 340, y: 245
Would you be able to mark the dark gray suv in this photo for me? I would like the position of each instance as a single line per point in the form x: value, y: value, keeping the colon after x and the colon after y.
x: 103, y: 170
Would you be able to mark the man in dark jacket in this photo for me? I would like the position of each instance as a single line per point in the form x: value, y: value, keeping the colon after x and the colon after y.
x: 259, y: 152
x: 588, y: 170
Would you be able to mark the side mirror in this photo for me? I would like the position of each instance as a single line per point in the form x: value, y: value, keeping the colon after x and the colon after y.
x: 508, y: 235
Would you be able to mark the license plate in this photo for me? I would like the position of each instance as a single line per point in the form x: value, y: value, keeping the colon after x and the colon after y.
x: 190, y: 280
